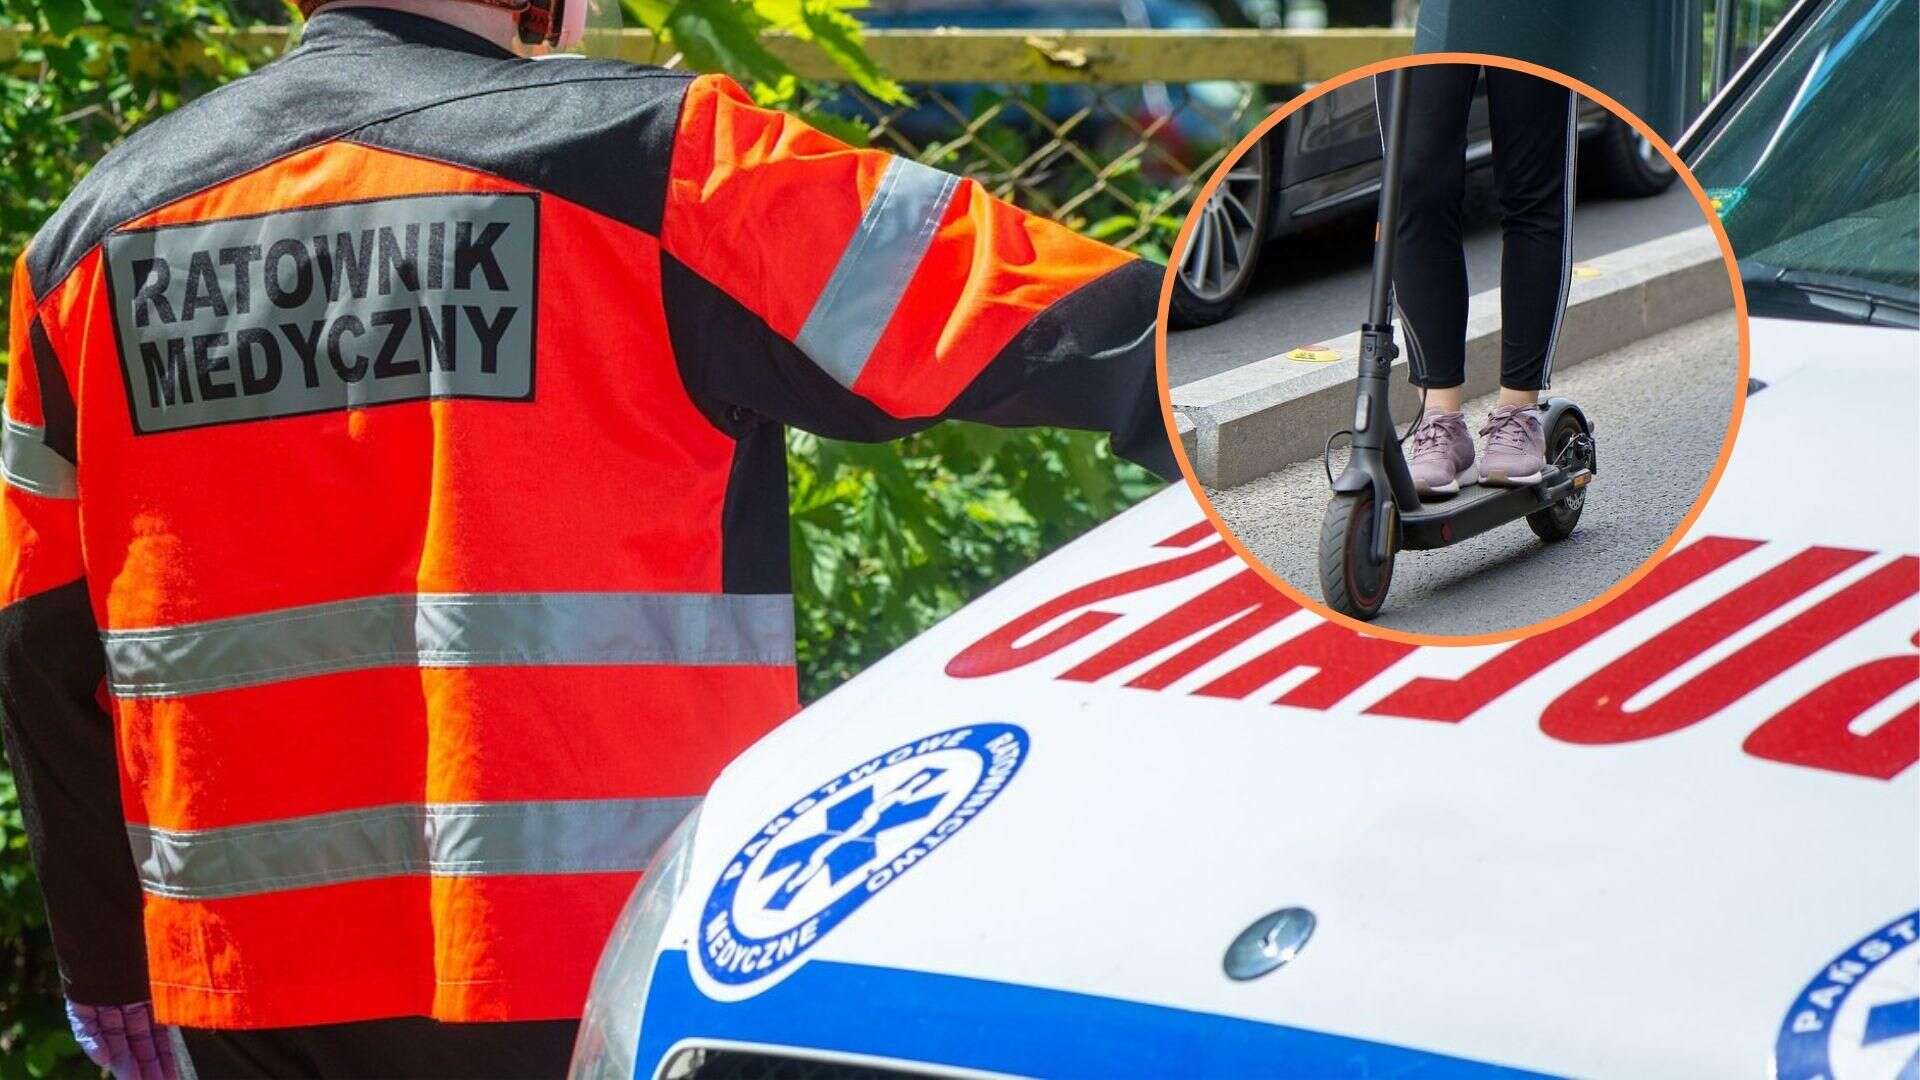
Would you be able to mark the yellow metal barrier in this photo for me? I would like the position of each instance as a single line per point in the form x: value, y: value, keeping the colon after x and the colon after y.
x: 1022, y: 56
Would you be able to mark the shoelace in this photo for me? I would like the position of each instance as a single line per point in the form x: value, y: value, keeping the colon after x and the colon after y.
x: 1508, y: 430
x: 1431, y: 437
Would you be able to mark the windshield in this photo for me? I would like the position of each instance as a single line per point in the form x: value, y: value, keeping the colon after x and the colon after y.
x: 1814, y: 171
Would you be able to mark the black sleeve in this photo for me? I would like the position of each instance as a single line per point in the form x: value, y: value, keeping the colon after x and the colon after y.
x: 1086, y: 362
x: 60, y: 745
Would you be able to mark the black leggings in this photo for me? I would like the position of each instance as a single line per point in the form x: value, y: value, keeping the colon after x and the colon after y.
x: 1533, y: 161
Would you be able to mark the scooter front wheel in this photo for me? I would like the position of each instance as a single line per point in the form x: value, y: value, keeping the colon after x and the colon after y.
x: 1352, y: 582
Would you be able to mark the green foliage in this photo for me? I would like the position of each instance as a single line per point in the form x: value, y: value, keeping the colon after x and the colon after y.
x: 886, y: 539
x: 724, y: 35
x: 1162, y: 231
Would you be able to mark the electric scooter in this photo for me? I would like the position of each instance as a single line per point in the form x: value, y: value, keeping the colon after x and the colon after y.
x: 1375, y: 511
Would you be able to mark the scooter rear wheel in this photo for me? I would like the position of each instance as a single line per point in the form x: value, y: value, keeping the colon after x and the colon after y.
x: 1557, y: 522
x: 1351, y: 581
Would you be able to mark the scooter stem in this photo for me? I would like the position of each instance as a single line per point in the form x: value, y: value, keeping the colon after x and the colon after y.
x: 1380, y: 304
x: 1375, y: 461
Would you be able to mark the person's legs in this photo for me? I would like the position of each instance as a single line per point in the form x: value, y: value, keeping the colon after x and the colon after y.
x: 1534, y: 144
x: 1430, y: 270
x: 412, y: 1047
x: 1533, y: 159
x: 1429, y: 265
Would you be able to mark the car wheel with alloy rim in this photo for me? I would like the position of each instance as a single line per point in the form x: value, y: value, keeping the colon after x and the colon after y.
x: 1223, y: 249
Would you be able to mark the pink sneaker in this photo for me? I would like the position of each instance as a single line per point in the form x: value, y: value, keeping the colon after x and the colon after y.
x: 1515, y: 452
x: 1440, y: 454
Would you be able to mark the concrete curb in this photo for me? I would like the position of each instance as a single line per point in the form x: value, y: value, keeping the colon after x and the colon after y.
x: 1242, y: 424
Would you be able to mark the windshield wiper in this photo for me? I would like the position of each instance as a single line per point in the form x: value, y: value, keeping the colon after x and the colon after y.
x: 1807, y: 294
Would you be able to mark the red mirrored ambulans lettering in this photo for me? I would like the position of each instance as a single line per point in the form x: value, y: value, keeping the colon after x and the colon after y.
x: 1235, y: 610
x: 1342, y: 661
x: 1000, y: 651
x: 1816, y: 731
x: 1453, y: 700
x: 1595, y: 711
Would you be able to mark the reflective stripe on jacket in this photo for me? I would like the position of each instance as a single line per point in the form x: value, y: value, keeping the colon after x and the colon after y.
x: 394, y: 443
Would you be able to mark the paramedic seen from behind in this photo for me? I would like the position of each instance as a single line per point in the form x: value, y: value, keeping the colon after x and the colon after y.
x: 394, y: 517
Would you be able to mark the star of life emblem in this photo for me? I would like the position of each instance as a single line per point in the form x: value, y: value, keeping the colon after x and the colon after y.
x: 828, y: 853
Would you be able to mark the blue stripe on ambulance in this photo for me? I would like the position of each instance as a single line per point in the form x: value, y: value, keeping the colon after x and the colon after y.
x: 1009, y: 1028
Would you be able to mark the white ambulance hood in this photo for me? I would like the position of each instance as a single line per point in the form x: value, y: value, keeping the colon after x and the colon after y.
x: 1677, y: 838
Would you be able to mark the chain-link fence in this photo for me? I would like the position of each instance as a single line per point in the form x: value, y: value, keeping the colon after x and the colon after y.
x: 1117, y: 162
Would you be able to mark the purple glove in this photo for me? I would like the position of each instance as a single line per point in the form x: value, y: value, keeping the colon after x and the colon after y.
x: 124, y: 1040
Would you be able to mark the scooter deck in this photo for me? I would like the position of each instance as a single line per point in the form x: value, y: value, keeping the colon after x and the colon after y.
x: 1480, y: 508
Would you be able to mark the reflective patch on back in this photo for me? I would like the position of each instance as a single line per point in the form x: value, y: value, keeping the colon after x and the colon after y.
x: 326, y: 308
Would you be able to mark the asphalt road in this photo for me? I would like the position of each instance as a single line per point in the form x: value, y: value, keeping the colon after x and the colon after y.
x: 1660, y: 409
x: 1313, y: 287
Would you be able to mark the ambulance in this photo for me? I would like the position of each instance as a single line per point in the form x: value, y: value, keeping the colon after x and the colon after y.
x: 1136, y: 813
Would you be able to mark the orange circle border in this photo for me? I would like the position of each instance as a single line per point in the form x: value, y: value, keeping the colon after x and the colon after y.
x: 1272, y: 120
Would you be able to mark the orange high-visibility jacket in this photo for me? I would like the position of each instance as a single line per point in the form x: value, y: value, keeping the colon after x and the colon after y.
x: 393, y: 451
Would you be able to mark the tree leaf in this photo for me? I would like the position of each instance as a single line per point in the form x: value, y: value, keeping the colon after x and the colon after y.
x: 115, y: 14
x: 851, y: 132
x: 63, y: 17
x: 717, y: 35
x: 837, y: 34
x: 651, y: 14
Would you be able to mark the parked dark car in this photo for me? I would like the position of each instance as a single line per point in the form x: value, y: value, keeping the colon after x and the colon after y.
x: 1323, y: 163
